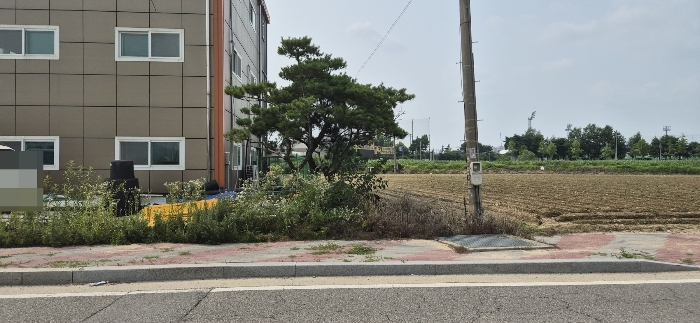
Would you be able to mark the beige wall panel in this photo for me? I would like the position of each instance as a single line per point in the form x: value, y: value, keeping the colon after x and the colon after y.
x: 195, y: 29
x: 196, y: 153
x: 197, y: 7
x: 100, y: 90
x: 160, y: 177
x: 7, y: 120
x: 31, y: 17
x: 133, y: 68
x: 99, y: 26
x: 169, y: 6
x: 166, y: 122
x: 132, y: 91
x: 32, y: 66
x: 32, y: 4
x: 70, y: 24
x: 32, y: 121
x: 98, y: 153
x: 66, y: 5
x: 194, y: 92
x: 66, y: 121
x: 134, y: 5
x: 144, y: 180
x: 132, y: 121
x: 166, y: 20
x: 102, y: 173
x: 166, y: 69
x: 7, y: 17
x: 7, y: 4
x: 196, y: 122
x: 99, y: 5
x: 166, y: 91
x: 71, y: 61
x: 132, y: 19
x: 7, y: 65
x: 56, y: 177
x: 100, y: 122
x: 71, y: 149
x: 190, y: 175
x: 66, y: 89
x: 99, y: 59
x: 7, y: 89
x: 195, y: 61
x: 32, y: 89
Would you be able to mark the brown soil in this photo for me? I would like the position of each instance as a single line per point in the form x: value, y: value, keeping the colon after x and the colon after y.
x: 572, y: 202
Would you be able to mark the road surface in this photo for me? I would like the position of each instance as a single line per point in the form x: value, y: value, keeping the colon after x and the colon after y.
x: 501, y: 298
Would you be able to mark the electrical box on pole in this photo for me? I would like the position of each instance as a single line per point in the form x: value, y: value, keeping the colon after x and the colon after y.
x: 470, y: 125
x: 475, y: 173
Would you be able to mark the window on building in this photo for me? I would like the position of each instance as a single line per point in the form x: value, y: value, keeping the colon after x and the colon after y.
x: 253, y: 17
x: 151, y: 153
x: 237, y: 157
x: 48, y: 145
x: 237, y: 64
x: 28, y: 42
x: 149, y: 44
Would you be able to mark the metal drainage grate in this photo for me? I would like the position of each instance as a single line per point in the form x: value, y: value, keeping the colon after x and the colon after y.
x: 493, y: 241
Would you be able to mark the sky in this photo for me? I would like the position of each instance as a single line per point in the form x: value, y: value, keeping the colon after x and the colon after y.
x: 633, y: 65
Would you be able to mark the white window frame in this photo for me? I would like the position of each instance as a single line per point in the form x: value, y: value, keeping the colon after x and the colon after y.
x: 149, y: 140
x: 235, y: 56
x: 149, y: 31
x: 54, y: 139
x: 24, y: 28
x: 236, y: 163
x: 253, y: 16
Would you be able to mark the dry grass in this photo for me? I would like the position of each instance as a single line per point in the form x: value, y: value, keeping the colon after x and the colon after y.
x: 420, y: 217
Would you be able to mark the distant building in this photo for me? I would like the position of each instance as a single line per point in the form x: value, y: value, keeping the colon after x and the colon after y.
x: 99, y: 80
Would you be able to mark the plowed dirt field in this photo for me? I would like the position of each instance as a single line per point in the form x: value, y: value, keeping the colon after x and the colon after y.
x: 572, y: 202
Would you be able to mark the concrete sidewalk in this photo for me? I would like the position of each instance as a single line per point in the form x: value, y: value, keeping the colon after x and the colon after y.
x: 594, y: 252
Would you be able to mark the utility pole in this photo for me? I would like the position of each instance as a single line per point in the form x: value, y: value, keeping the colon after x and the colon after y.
x: 468, y: 92
x: 396, y: 167
x: 616, y: 134
x: 667, y: 129
x: 414, y: 156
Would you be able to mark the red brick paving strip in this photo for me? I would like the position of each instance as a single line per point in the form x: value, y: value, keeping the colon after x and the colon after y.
x: 577, y: 246
x: 680, y: 246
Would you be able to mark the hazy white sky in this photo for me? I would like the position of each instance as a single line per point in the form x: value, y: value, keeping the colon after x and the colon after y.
x: 632, y: 64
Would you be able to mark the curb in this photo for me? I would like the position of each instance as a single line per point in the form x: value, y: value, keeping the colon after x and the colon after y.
x: 15, y: 277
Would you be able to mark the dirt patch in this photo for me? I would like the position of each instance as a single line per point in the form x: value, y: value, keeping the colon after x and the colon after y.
x: 573, y: 202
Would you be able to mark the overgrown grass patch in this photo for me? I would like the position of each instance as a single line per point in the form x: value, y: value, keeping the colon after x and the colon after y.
x: 305, y: 208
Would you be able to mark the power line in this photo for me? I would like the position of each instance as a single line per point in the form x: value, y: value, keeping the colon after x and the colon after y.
x: 385, y: 35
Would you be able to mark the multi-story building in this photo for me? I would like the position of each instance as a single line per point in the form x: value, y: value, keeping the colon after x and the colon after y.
x: 91, y: 81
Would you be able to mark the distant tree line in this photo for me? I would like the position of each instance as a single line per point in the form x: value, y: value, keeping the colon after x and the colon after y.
x: 587, y: 143
x: 593, y: 142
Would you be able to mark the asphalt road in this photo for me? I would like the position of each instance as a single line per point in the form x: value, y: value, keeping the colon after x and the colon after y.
x: 571, y: 301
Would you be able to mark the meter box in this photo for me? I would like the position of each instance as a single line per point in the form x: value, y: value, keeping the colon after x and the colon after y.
x: 475, y: 173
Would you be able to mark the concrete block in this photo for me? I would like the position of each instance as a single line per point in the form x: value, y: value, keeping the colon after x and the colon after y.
x: 147, y: 273
x: 360, y: 269
x: 10, y: 278
x: 259, y: 270
x: 48, y: 277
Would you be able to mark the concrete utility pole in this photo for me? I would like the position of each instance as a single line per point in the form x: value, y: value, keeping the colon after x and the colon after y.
x: 468, y: 89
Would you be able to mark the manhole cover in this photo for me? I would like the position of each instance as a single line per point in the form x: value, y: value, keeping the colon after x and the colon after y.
x: 493, y: 242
